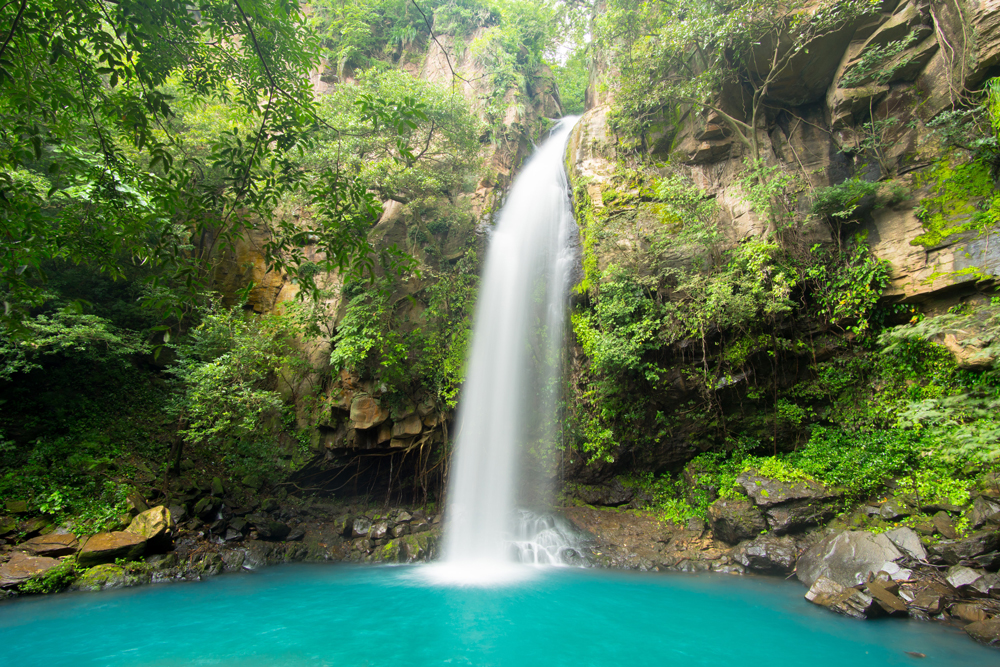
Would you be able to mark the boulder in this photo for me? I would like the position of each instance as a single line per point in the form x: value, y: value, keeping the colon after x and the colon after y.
x: 8, y: 525
x: 608, y: 494
x: 984, y: 510
x: 954, y: 552
x: 961, y: 577
x: 366, y: 412
x: 269, y: 529
x: 970, y: 612
x: 908, y: 542
x: 844, y: 600
x: 206, y: 508
x: 217, y: 488
x: 893, y: 509
x: 945, y: 525
x: 735, y: 520
x: 411, y: 425
x: 885, y: 595
x: 22, y: 567
x: 360, y: 527
x: 378, y: 530
x: 847, y: 558
x: 985, y: 632
x: 987, y: 585
x: 296, y: 535
x: 109, y: 547
x: 768, y: 554
x: 789, y: 506
x: 52, y: 545
x: 155, y: 526
x: 929, y: 602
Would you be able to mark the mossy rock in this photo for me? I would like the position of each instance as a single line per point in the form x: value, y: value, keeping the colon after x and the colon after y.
x: 109, y: 576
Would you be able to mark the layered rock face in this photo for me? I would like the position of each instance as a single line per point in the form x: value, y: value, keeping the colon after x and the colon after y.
x: 815, y: 126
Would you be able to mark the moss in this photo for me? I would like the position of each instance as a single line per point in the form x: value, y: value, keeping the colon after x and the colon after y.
x: 961, y: 199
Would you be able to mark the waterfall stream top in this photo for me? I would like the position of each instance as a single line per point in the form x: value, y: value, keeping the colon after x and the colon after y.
x: 509, y: 397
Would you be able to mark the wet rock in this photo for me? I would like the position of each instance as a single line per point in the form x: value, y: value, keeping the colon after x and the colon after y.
x: 155, y: 526
x: 984, y: 510
x: 768, y: 554
x: 985, y: 632
x: 930, y: 603
x: 608, y: 494
x: 210, y: 565
x: 233, y: 560
x: 953, y: 552
x: 378, y: 530
x: 270, y: 529
x: 52, y: 545
x: 360, y: 527
x: 945, y: 525
x: 109, y: 547
x: 970, y: 612
x: 847, y: 558
x: 844, y: 600
x: 885, y: 595
x: 108, y: 577
x: 735, y: 520
x: 908, y: 542
x: 21, y: 567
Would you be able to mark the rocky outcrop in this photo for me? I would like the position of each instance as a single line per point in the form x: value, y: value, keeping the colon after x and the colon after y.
x: 155, y: 526
x: 52, y: 545
x: 846, y: 600
x: 109, y: 547
x: 790, y: 506
x: 768, y: 554
x: 848, y: 558
x: 733, y: 521
x: 21, y: 567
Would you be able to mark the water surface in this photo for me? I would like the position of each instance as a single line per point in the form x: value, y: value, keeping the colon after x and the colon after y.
x: 345, y: 616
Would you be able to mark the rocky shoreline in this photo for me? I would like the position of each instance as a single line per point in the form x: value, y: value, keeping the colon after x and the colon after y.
x: 877, y: 561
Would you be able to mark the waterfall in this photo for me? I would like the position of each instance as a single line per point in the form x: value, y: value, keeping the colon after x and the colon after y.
x: 508, y: 403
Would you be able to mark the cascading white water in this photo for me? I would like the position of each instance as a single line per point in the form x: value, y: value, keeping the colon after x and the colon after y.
x: 509, y: 398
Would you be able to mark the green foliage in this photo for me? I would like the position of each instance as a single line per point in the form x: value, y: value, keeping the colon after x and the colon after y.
x: 53, y: 581
x: 841, y: 201
x: 227, y: 369
x: 847, y: 286
x: 879, y: 63
x: 572, y: 77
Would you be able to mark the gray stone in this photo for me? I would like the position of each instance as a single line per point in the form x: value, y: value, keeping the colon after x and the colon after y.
x: 945, y: 525
x: 768, y: 554
x: 296, y: 535
x: 908, y: 542
x: 844, y: 600
x: 893, y: 509
x: 984, y: 510
x: 953, y: 552
x: 960, y: 576
x: 985, y: 632
x: 360, y: 527
x: 378, y: 530
x: 847, y: 558
x: 735, y: 520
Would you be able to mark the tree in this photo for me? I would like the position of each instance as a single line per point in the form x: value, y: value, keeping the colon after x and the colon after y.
x: 671, y: 53
x: 95, y: 166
